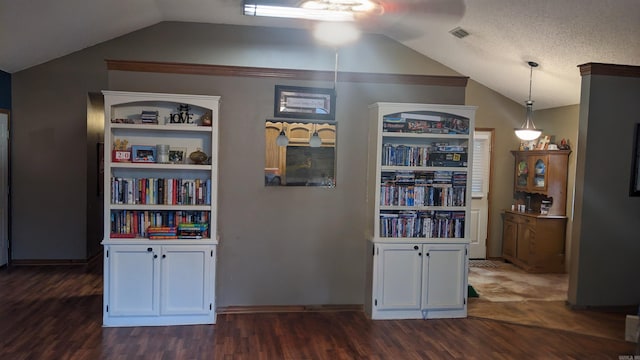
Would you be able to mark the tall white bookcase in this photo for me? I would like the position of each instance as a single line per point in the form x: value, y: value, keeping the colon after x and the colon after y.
x: 168, y: 281
x: 418, y: 206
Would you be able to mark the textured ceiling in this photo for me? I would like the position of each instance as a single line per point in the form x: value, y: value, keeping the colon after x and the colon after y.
x: 504, y: 34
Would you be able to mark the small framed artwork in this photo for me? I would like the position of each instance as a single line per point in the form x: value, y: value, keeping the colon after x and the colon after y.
x: 304, y: 102
x: 143, y: 153
x: 635, y: 163
x: 177, y: 155
x: 543, y: 141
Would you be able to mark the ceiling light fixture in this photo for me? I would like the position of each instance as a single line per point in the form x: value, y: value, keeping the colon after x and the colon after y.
x: 296, y: 13
x: 282, y: 139
x: 336, y: 33
x: 352, y: 6
x: 528, y: 130
x: 315, y: 140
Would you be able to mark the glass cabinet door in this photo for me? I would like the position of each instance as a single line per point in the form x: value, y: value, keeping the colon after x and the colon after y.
x: 522, y: 173
x: 539, y: 175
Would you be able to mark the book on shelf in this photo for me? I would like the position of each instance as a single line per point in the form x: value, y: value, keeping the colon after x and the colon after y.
x: 118, y: 235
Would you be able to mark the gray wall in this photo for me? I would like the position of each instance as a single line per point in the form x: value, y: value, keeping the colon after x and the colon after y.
x: 52, y: 147
x: 324, y: 257
x: 562, y: 122
x: 287, y: 245
x: 497, y: 112
x: 605, y: 240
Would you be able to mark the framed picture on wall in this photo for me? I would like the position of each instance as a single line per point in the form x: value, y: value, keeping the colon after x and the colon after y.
x: 635, y: 163
x: 304, y: 102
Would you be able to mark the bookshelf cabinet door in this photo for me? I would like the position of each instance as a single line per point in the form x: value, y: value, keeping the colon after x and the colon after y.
x: 399, y: 276
x: 444, y: 277
x: 133, y: 280
x: 186, y: 280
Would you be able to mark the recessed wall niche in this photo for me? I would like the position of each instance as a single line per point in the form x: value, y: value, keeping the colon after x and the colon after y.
x: 300, y: 153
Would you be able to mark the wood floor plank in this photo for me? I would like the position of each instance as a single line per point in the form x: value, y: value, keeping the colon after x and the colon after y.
x: 55, y: 313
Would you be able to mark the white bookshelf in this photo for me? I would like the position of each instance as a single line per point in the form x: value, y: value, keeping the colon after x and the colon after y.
x: 418, y: 206
x: 170, y: 281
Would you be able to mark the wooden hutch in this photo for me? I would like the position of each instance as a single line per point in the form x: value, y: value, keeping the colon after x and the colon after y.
x: 534, y: 239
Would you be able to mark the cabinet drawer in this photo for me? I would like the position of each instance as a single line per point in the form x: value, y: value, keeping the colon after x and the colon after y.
x: 519, y: 219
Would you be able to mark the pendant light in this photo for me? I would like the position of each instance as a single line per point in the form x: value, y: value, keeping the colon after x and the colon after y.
x: 528, y: 130
x: 315, y: 140
x: 282, y: 139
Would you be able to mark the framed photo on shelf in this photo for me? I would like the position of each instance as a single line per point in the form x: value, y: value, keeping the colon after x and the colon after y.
x: 143, y: 153
x: 177, y: 155
x: 635, y: 163
x: 543, y: 141
x: 304, y: 102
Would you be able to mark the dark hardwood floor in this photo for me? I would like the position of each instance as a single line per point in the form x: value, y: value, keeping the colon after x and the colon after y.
x: 55, y: 313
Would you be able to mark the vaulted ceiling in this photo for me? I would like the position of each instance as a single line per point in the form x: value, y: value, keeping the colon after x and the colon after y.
x: 504, y: 34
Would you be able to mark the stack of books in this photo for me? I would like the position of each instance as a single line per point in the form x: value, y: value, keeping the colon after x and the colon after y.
x: 192, y: 230
x: 162, y: 232
x: 149, y: 117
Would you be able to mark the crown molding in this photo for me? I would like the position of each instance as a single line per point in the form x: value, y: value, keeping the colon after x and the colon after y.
x: 291, y: 74
x: 609, y: 69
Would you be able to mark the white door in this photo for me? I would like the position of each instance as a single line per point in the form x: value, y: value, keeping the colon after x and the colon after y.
x: 399, y: 273
x: 4, y: 188
x: 186, y: 281
x: 444, y: 277
x: 133, y: 280
x: 480, y: 194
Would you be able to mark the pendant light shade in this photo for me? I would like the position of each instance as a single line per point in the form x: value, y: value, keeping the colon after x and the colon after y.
x: 282, y: 139
x: 315, y: 140
x: 528, y: 131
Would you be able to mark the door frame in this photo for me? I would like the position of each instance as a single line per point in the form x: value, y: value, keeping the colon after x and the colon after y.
x: 8, y: 215
x: 490, y: 185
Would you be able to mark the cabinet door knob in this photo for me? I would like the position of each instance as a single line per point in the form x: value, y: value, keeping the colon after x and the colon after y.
x: 155, y: 256
x: 164, y: 256
x: 415, y: 247
x: 149, y: 249
x: 419, y: 254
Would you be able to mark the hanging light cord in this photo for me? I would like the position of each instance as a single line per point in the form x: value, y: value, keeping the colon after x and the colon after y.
x: 532, y: 64
x: 335, y: 71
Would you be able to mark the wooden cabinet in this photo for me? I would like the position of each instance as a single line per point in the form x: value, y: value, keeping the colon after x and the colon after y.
x: 542, y: 175
x: 413, y: 281
x: 536, y: 243
x: 160, y: 207
x: 534, y: 239
x: 159, y: 285
x: 418, y: 187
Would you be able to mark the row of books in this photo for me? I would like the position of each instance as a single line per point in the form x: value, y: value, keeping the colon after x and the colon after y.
x: 182, y: 231
x: 392, y: 194
x: 415, y: 155
x: 425, y: 122
x: 455, y: 178
x: 427, y: 224
x: 135, y: 223
x: 160, y: 191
